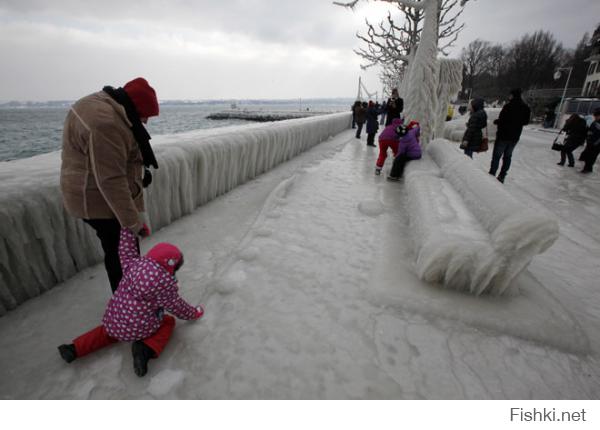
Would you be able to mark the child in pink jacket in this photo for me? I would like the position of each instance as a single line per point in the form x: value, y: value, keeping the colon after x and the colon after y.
x: 135, y: 312
x: 388, y: 139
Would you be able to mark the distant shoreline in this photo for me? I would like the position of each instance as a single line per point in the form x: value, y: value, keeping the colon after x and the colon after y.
x: 239, y: 102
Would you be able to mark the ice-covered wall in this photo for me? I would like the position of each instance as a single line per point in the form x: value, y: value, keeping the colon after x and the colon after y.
x: 469, y: 232
x: 41, y: 245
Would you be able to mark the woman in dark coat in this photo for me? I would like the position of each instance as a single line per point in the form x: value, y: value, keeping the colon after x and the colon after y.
x: 576, y: 129
x: 473, y: 137
x: 372, y: 123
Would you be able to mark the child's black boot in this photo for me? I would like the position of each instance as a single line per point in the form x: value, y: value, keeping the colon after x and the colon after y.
x: 142, y: 353
x: 67, y: 352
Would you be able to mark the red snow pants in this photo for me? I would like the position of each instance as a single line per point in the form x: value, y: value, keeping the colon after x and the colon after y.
x: 383, y: 148
x: 97, y: 338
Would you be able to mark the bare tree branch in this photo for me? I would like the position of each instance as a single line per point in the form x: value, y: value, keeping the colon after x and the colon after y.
x: 348, y: 5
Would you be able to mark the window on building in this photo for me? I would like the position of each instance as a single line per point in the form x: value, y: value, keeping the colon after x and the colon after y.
x: 594, y: 88
x: 584, y: 107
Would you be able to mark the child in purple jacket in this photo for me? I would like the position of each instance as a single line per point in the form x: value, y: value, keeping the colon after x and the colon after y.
x: 135, y: 312
x: 409, y: 149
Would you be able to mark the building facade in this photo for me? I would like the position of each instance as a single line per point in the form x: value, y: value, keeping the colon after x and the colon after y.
x: 591, y: 86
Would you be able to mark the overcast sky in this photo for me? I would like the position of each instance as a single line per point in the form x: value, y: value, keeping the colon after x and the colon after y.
x: 208, y: 49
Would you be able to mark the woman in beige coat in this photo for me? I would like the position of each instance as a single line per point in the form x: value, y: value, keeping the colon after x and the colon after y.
x: 105, y: 150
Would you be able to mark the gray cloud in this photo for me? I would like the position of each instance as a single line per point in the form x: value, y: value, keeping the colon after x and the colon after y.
x: 236, y: 48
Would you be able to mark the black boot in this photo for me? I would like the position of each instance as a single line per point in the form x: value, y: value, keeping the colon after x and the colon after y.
x: 142, y: 353
x: 67, y: 352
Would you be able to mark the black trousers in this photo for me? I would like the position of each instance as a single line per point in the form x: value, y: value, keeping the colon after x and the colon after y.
x: 371, y: 139
x: 109, y: 232
x: 398, y: 166
x: 590, y: 157
x: 359, y: 129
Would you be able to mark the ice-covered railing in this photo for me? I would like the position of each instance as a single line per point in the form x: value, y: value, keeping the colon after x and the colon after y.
x: 469, y: 232
x: 41, y: 245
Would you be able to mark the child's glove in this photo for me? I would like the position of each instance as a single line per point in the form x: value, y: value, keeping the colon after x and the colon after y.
x: 144, y: 231
x: 199, y: 312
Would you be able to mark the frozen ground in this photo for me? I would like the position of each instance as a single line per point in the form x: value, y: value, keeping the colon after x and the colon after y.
x: 308, y: 278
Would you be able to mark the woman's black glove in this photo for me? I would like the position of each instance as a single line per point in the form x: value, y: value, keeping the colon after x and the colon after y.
x: 147, y: 178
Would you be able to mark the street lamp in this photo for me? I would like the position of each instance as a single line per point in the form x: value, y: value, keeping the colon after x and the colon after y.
x: 557, y: 76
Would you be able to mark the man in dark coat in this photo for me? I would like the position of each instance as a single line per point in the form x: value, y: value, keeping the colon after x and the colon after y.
x: 513, y: 116
x: 593, y: 143
x: 360, y: 114
x: 394, y: 107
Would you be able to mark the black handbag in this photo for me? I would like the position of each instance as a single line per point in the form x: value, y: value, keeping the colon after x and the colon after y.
x: 557, y: 146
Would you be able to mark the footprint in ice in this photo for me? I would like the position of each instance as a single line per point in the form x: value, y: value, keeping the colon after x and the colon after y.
x: 274, y: 214
x: 372, y: 208
x: 165, y: 381
x: 249, y: 254
x: 263, y: 232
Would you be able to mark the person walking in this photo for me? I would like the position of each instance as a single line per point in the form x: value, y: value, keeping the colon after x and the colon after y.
x: 372, y: 123
x: 576, y: 130
x: 592, y: 149
x: 105, y: 151
x: 513, y: 116
x: 409, y: 148
x: 394, y: 107
x: 473, y: 137
x: 361, y: 117
x: 135, y: 313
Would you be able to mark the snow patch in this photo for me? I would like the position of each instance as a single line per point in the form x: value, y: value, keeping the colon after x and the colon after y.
x: 372, y: 208
x: 165, y: 382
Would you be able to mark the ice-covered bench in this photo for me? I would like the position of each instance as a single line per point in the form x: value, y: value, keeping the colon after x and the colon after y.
x: 469, y: 232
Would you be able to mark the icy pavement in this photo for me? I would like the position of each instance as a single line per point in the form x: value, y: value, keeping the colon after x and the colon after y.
x: 308, y: 279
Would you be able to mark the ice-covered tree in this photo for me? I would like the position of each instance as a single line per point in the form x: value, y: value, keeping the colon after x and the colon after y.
x: 421, y: 79
x: 395, y: 38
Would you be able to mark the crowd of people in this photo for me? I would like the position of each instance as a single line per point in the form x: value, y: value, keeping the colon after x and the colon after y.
x: 401, y: 138
x: 514, y: 115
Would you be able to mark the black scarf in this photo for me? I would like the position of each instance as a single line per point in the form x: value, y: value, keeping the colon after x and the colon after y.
x: 140, y: 133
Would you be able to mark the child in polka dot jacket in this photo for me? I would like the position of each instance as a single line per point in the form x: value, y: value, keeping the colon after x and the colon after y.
x: 135, y: 312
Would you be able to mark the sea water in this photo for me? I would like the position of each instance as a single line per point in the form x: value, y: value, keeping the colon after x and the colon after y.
x: 26, y: 131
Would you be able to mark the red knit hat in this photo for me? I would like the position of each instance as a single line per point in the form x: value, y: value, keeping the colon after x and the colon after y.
x: 167, y: 255
x: 143, y: 97
x: 412, y: 124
